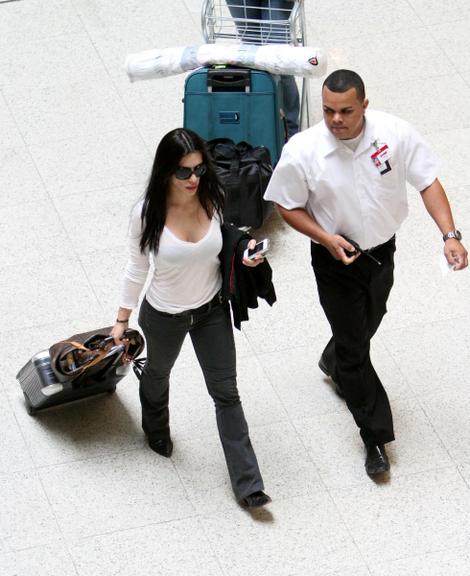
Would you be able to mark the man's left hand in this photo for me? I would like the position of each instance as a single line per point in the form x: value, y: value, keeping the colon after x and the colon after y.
x: 456, y: 254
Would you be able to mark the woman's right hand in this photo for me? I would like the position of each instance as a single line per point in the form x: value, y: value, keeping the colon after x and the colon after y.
x: 118, y: 330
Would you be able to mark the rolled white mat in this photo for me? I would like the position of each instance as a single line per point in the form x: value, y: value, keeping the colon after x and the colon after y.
x: 274, y: 58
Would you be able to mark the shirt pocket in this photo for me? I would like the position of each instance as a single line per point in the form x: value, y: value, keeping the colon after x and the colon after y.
x: 390, y: 180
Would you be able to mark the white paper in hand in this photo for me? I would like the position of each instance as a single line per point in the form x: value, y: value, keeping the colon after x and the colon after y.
x: 444, y: 265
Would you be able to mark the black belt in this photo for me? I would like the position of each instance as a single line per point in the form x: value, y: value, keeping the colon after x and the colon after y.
x: 216, y: 300
x: 374, y: 248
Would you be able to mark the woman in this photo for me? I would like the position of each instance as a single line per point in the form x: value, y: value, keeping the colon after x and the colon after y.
x: 177, y: 226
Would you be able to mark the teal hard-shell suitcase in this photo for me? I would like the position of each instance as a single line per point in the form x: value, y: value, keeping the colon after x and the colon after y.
x: 237, y: 103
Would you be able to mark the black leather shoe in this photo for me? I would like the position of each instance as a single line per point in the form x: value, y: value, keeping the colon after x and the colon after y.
x: 324, y: 368
x: 376, y: 460
x: 256, y: 500
x: 163, y: 447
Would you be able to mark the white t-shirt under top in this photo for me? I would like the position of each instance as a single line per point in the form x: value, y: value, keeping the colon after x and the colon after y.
x: 353, y: 143
x: 186, y: 275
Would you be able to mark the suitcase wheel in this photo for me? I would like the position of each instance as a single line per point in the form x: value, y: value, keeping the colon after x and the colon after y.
x: 30, y: 409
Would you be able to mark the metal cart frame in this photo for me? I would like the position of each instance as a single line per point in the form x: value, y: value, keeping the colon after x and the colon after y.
x: 250, y: 26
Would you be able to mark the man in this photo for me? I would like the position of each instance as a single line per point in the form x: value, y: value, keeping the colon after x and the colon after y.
x: 344, y: 181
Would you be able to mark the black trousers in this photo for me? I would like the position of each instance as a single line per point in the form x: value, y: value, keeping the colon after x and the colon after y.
x: 354, y: 300
x: 212, y: 337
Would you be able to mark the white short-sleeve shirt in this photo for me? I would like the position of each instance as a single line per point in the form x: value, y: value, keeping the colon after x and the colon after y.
x: 343, y: 189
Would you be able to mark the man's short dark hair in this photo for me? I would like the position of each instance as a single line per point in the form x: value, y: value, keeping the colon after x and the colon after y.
x: 344, y: 80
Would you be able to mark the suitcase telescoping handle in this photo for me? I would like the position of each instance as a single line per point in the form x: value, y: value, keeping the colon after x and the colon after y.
x: 228, y: 80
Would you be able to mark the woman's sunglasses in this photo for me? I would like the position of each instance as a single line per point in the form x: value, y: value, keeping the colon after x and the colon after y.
x: 184, y: 172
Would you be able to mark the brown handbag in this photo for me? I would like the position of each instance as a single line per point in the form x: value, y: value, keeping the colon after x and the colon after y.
x: 91, y: 352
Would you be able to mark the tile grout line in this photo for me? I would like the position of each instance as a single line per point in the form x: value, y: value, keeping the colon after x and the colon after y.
x: 51, y: 199
x: 292, y: 423
x: 118, y: 93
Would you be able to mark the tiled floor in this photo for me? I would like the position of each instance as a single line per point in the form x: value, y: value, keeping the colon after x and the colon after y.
x: 80, y: 493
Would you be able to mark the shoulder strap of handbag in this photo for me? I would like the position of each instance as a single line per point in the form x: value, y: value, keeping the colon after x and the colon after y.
x: 99, y: 356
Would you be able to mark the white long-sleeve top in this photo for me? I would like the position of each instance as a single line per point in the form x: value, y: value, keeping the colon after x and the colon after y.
x: 186, y: 275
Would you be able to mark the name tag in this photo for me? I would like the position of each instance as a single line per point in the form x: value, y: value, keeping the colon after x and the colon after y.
x: 381, y: 159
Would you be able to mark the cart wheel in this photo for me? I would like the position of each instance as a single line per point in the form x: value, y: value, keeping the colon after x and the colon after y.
x: 30, y: 409
x: 111, y: 390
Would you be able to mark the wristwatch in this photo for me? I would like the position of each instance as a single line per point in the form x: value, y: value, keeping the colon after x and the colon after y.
x: 453, y: 234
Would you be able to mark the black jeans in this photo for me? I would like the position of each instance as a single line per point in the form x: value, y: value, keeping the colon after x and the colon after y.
x: 354, y: 300
x: 212, y: 337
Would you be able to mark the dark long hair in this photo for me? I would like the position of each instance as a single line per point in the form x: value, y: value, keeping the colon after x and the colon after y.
x: 173, y: 146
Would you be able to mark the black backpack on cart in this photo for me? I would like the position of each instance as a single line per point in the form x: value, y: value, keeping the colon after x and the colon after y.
x: 244, y: 171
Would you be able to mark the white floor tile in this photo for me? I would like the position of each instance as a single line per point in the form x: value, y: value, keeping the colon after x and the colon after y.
x: 50, y: 560
x: 32, y: 67
x: 294, y: 320
x: 302, y: 388
x: 339, y: 20
x: 389, y: 520
x: 419, y: 241
x: 261, y: 404
x: 22, y: 22
x: 32, y: 232
x: 68, y: 110
x: 453, y: 561
x: 428, y: 300
x: 192, y: 409
x: 201, y: 466
x: 452, y: 149
x: 290, y: 537
x: 92, y: 427
x: 14, y: 454
x: 418, y: 448
x: 465, y: 472
x: 74, y: 166
x: 26, y: 519
x: 9, y: 134
x: 447, y: 410
x: 112, y: 493
x: 436, y: 106
x: 429, y: 361
x: 285, y: 466
x: 391, y: 376
x: 52, y: 289
x: 155, y: 106
x: 335, y: 447
x: 132, y: 26
x: 20, y: 179
x: 415, y: 57
x: 177, y: 547
x: 453, y: 39
x: 98, y: 221
x: 436, y: 12
x: 104, y: 267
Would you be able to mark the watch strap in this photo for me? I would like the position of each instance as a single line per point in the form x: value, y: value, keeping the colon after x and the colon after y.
x: 452, y: 234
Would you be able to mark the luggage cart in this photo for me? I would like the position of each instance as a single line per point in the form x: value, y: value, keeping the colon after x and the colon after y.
x: 232, y: 21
